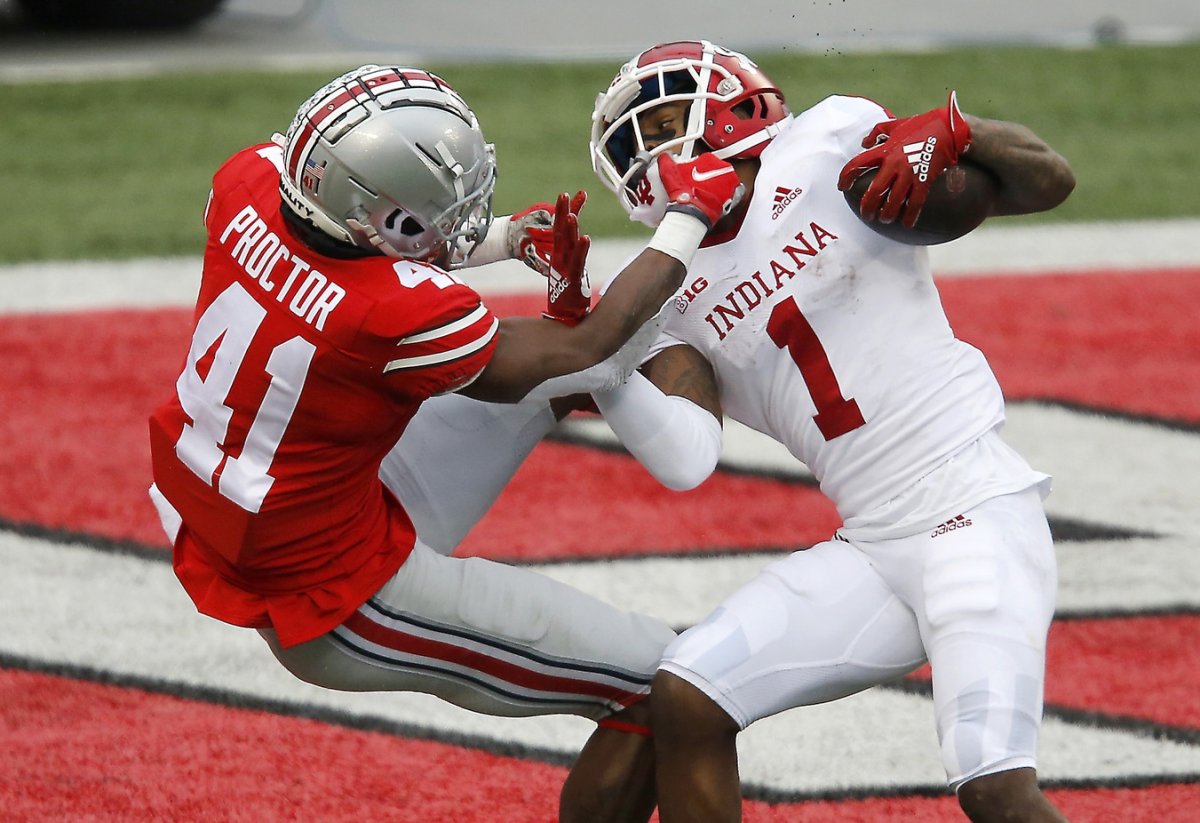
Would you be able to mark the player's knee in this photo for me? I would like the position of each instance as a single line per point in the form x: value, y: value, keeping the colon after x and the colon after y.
x: 681, y: 711
x: 636, y: 715
x: 1005, y: 796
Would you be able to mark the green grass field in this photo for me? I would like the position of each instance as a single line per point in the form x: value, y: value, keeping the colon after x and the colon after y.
x: 120, y: 168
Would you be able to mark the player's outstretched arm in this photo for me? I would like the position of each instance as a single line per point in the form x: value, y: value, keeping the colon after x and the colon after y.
x: 531, y: 351
x: 1033, y: 177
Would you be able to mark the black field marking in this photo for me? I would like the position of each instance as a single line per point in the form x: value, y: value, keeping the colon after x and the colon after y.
x: 1062, y: 528
x: 1170, y: 423
x: 1178, y: 610
x: 764, y: 794
x: 1070, y: 530
x: 765, y: 553
x: 236, y: 700
x: 230, y: 699
x: 108, y: 545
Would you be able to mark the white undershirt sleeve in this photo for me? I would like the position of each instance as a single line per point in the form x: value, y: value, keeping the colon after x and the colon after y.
x: 674, y: 439
x: 496, y: 245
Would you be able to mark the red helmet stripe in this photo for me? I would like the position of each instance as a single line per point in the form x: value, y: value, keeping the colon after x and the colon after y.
x: 691, y: 49
x: 296, y: 147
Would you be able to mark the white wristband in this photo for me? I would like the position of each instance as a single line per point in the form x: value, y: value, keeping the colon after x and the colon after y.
x: 678, y: 235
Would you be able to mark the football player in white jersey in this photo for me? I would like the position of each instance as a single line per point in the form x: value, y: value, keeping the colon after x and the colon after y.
x: 799, y: 320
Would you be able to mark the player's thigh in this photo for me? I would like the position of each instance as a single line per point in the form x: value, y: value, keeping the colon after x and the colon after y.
x: 816, y: 626
x: 989, y: 600
x: 489, y: 637
x: 455, y: 458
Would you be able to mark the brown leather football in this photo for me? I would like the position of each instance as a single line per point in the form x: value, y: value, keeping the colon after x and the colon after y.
x: 959, y: 200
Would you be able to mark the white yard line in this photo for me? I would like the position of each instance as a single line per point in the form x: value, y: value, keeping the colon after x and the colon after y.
x: 999, y: 249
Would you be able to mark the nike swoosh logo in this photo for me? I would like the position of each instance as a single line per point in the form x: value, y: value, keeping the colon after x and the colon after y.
x: 701, y: 176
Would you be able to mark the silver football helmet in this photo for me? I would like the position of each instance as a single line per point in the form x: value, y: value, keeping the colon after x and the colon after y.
x: 391, y: 158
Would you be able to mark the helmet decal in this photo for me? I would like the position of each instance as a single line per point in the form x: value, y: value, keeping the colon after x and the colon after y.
x: 310, y: 178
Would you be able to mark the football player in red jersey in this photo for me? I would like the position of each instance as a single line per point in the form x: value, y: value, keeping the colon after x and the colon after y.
x: 800, y: 321
x: 328, y: 312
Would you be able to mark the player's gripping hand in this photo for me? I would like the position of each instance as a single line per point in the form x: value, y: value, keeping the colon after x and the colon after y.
x: 568, y: 293
x: 533, y: 232
x: 910, y: 153
x: 705, y: 187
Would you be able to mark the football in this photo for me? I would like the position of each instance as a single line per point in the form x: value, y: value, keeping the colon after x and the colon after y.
x: 958, y: 202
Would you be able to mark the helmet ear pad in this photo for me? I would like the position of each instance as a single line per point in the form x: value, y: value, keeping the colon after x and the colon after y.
x: 728, y: 124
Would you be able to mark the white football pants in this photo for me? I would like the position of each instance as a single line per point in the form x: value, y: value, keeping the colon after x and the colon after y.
x: 975, y: 599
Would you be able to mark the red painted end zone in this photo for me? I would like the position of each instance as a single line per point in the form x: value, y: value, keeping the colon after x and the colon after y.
x: 1107, y: 339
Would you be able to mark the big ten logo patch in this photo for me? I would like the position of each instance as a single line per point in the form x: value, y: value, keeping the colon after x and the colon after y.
x: 689, y: 293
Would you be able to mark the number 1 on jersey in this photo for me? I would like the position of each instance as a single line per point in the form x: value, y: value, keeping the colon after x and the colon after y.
x: 789, y: 329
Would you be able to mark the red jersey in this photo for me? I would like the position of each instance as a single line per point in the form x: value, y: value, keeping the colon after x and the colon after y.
x: 303, y: 372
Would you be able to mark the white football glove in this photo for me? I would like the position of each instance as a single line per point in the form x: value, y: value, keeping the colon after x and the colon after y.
x: 607, y: 374
x: 526, y: 236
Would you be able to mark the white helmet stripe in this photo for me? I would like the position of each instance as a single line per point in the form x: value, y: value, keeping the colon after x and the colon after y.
x: 762, y: 136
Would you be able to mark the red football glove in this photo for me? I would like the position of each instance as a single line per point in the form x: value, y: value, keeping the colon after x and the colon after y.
x: 705, y: 187
x: 910, y: 152
x: 535, y: 232
x: 568, y: 293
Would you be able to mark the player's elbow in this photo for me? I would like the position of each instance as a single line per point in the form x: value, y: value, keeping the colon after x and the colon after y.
x: 1044, y: 185
x: 683, y: 477
x: 1063, y: 182
x: 1056, y: 182
x: 684, y: 454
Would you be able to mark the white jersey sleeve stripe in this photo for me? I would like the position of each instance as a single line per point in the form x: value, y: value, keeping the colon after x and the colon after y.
x: 447, y: 355
x: 446, y: 330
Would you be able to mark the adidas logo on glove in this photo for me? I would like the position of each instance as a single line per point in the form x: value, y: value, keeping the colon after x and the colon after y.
x: 919, y: 155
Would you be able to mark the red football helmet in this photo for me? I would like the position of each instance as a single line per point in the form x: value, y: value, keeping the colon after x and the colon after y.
x: 735, y: 111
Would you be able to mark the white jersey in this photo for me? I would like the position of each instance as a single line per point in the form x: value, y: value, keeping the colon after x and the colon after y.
x: 832, y: 340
